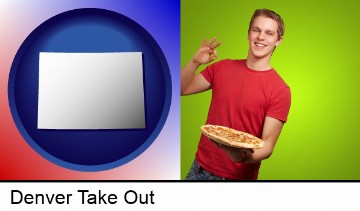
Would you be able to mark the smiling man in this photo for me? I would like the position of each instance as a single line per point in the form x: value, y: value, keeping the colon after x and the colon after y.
x: 247, y: 95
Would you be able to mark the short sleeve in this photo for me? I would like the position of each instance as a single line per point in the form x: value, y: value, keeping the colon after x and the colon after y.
x: 280, y: 104
x: 209, y: 72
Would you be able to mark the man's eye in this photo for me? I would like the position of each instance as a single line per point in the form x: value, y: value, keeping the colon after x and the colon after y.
x: 270, y: 33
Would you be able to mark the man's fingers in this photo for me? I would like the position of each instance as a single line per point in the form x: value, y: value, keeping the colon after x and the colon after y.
x: 215, y: 53
x: 212, y: 41
x: 216, y: 45
x: 208, y: 50
x: 212, y: 58
x: 204, y: 42
x: 205, y: 49
x: 211, y: 44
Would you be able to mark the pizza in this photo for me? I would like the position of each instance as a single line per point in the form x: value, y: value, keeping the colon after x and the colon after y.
x: 231, y: 137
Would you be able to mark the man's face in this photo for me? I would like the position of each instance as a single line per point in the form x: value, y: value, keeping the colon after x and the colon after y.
x: 263, y: 37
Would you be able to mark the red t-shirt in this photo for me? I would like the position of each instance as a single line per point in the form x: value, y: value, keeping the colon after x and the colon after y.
x: 241, y: 99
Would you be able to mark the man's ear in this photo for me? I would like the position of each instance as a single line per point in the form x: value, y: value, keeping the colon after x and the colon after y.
x: 279, y: 41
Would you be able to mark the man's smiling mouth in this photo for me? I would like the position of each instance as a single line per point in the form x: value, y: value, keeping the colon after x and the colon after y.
x: 260, y: 44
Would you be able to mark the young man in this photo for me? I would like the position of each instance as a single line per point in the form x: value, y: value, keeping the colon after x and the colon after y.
x: 247, y: 95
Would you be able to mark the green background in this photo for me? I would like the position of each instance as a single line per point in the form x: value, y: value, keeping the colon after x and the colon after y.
x: 319, y: 60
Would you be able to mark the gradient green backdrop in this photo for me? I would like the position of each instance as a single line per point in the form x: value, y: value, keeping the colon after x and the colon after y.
x: 318, y: 58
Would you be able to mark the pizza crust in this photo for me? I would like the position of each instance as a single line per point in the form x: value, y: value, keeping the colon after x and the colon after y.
x: 231, y: 137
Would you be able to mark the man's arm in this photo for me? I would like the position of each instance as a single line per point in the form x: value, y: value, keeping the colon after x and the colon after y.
x: 192, y: 83
x: 271, y: 131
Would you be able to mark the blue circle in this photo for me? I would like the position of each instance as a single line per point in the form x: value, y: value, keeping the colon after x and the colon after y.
x: 89, y: 30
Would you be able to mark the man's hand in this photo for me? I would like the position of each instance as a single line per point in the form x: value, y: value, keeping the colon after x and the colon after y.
x: 235, y: 154
x: 192, y: 83
x: 207, y: 52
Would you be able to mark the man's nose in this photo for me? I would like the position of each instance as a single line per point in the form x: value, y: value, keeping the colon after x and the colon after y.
x: 261, y: 36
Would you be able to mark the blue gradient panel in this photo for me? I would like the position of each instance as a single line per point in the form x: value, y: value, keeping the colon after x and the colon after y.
x: 160, y: 19
x: 89, y: 30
